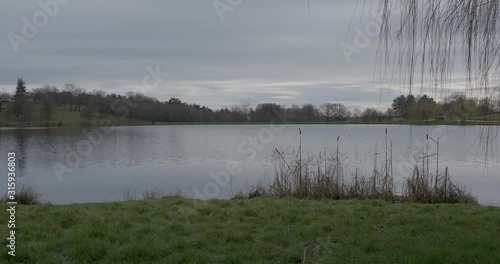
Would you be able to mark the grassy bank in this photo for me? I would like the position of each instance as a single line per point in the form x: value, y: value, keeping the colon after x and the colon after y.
x: 62, y: 116
x: 261, y: 230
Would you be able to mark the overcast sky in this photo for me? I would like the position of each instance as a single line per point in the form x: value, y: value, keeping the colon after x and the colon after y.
x: 262, y: 50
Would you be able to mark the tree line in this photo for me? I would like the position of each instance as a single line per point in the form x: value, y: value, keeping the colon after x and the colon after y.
x: 455, y: 107
x: 98, y: 103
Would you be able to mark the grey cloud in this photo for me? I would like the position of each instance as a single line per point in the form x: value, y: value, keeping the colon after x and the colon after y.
x: 262, y: 51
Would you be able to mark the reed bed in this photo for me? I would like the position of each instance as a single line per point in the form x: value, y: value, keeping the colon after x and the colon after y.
x: 424, y: 187
x: 324, y: 176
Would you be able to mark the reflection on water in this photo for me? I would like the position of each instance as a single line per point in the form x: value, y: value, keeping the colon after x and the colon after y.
x: 96, y: 164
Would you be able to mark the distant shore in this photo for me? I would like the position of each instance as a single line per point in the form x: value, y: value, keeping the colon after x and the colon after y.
x: 63, y: 117
x: 115, y: 122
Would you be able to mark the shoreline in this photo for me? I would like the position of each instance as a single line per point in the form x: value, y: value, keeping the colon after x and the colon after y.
x: 37, y: 125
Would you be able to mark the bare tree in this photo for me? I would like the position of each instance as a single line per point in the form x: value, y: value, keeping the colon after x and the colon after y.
x: 309, y: 113
x: 268, y: 112
x: 326, y: 110
x: 340, y: 112
x: 371, y: 114
x: 77, y: 95
x: 45, y: 97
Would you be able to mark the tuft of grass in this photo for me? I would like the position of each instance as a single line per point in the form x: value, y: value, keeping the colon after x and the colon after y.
x: 261, y: 230
x: 25, y: 194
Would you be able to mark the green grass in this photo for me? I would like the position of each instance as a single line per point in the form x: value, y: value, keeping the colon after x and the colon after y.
x: 261, y: 230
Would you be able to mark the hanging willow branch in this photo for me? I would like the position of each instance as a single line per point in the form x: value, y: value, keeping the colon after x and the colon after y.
x: 423, y: 39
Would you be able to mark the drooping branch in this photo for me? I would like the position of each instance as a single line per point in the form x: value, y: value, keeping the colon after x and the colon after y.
x: 423, y: 39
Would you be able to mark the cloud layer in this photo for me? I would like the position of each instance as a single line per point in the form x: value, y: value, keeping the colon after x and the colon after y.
x: 262, y: 51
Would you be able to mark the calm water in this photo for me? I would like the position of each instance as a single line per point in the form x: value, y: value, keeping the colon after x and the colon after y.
x: 76, y: 165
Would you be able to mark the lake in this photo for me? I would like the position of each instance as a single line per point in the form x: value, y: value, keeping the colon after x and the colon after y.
x: 80, y: 165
